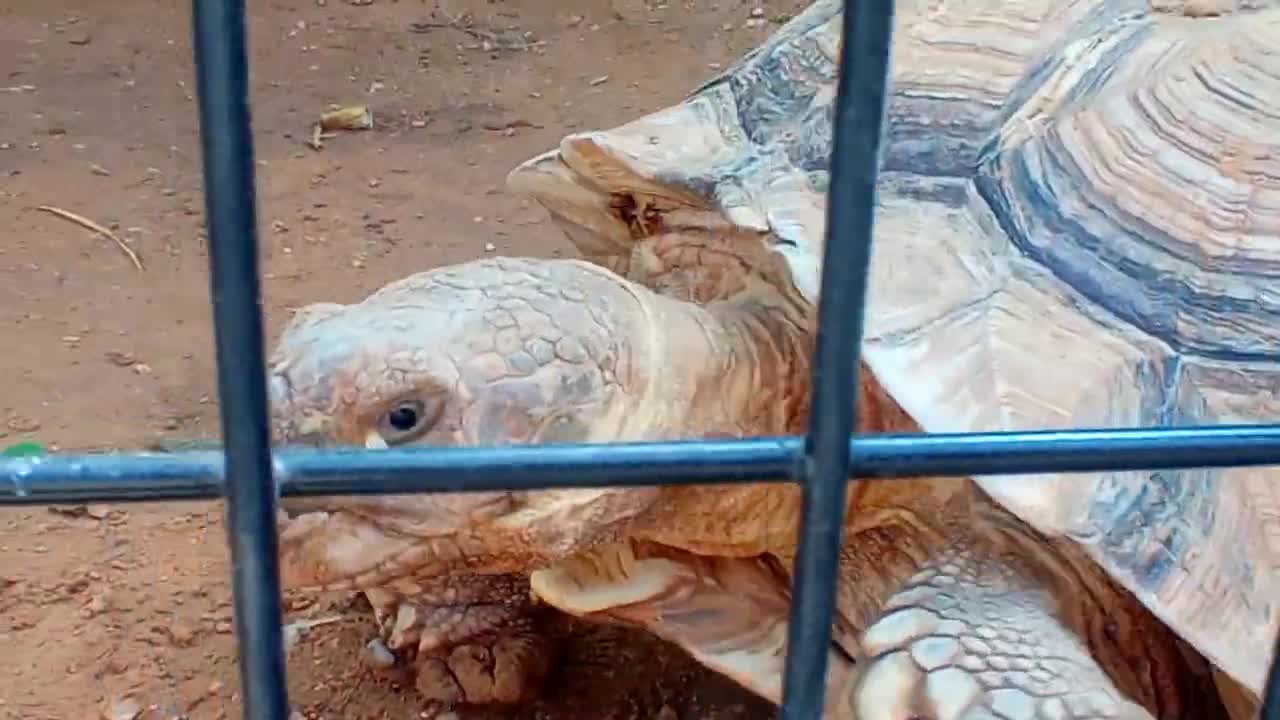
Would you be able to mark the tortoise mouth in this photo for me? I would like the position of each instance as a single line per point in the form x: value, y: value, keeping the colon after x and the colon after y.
x: 336, y: 551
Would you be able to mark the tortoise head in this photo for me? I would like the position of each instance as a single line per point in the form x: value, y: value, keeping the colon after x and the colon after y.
x: 493, y: 352
x: 510, y: 351
x: 489, y: 353
x: 693, y: 318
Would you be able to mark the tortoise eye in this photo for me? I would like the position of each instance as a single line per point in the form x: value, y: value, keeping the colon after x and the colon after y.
x: 409, y: 419
x: 403, y: 418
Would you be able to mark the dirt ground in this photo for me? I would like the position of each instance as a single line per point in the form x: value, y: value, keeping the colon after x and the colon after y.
x: 124, y: 612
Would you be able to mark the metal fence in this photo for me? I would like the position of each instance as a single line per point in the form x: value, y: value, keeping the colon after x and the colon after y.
x: 251, y: 476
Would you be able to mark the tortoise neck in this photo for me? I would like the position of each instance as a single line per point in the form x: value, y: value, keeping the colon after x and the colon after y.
x: 746, y: 360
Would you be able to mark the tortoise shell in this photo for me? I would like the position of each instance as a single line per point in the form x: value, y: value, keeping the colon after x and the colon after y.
x: 1077, y: 225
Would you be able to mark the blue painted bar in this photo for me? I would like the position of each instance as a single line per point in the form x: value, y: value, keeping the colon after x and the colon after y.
x: 134, y: 477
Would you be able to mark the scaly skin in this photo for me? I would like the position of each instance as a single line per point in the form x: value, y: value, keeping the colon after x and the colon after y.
x: 951, y: 607
x: 510, y: 351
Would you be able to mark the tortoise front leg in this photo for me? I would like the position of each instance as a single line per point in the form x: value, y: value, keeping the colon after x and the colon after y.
x: 466, y: 639
x: 729, y: 613
x: 975, y: 636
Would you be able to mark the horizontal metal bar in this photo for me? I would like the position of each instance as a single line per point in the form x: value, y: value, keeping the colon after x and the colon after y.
x: 197, y: 475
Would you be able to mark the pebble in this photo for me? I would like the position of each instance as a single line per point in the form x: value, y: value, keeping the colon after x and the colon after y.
x: 181, y: 635
x: 120, y: 357
x: 121, y: 709
x: 95, y: 607
x: 377, y: 655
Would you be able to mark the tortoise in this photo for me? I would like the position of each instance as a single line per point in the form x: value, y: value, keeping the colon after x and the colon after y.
x: 1077, y: 224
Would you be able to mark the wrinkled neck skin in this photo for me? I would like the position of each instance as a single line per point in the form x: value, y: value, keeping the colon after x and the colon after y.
x: 733, y: 361
x: 744, y: 360
x: 729, y: 346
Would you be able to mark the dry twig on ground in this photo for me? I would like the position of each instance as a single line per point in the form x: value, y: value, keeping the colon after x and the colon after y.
x: 88, y: 224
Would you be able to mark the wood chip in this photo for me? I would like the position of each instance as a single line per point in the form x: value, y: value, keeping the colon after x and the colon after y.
x: 351, y: 117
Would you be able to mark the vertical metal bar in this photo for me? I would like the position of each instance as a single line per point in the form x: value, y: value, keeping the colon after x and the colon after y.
x: 855, y: 155
x: 1271, y: 692
x: 222, y: 70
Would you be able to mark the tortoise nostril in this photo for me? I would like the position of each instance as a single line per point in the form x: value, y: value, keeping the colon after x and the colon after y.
x: 287, y: 436
x: 314, y: 440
